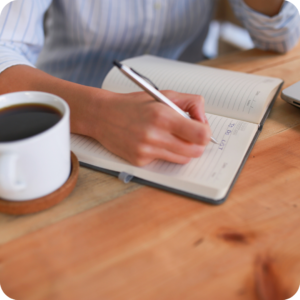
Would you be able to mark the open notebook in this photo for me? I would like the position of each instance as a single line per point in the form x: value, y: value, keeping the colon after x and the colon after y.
x: 237, y: 105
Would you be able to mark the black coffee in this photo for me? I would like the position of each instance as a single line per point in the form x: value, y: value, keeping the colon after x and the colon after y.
x: 25, y: 120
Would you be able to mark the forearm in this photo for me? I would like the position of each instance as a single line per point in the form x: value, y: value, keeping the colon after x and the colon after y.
x: 266, y: 7
x: 133, y: 126
x: 79, y: 97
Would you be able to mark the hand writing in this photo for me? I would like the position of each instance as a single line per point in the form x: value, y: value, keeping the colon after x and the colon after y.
x: 139, y: 129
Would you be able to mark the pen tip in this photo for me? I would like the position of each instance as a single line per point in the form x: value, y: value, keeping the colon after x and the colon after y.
x: 214, y: 141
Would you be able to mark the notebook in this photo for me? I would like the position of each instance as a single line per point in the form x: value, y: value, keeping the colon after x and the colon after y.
x: 236, y: 105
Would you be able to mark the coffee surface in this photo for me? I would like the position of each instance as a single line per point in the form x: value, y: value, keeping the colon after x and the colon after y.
x: 25, y: 120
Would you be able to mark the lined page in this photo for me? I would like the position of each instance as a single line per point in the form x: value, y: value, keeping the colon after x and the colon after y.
x: 227, y: 93
x: 210, y: 175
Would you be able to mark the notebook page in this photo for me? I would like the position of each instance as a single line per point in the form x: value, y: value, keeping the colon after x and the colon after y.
x: 209, y: 176
x: 227, y: 93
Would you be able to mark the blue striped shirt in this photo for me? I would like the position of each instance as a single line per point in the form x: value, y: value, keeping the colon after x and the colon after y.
x: 83, y: 37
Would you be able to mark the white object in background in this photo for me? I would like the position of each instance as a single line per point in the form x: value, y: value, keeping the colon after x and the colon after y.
x: 230, y: 34
x: 3, y: 296
x: 236, y: 36
x: 296, y: 296
x: 211, y: 43
x: 3, y: 3
x: 38, y: 165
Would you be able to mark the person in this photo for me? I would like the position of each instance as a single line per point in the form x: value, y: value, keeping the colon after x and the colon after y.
x: 82, y: 39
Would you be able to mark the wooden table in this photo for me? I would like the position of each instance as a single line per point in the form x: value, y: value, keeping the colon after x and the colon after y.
x: 109, y: 240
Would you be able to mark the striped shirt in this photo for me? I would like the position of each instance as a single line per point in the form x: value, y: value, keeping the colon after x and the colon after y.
x: 83, y: 37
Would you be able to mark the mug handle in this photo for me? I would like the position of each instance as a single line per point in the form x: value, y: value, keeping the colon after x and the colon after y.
x: 8, y: 180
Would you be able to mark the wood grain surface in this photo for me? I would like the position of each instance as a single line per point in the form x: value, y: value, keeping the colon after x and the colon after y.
x: 150, y: 244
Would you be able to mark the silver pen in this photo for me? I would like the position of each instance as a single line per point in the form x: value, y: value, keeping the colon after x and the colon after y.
x: 151, y: 89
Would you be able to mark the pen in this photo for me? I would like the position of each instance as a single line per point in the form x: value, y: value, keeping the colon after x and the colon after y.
x: 151, y: 89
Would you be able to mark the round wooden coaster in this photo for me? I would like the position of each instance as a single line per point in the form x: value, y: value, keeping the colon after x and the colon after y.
x: 33, y: 206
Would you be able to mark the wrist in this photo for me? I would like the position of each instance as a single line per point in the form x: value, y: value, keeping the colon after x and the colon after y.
x: 87, y: 112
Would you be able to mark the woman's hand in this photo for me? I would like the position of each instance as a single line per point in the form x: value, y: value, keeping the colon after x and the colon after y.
x: 139, y: 129
x: 133, y: 126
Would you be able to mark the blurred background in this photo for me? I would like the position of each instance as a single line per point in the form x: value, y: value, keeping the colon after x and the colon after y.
x: 226, y: 33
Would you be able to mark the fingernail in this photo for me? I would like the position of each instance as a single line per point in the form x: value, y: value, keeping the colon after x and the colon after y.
x: 206, y: 120
x: 203, y: 117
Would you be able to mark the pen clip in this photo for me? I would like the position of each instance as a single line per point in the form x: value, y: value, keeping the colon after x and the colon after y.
x: 145, y: 78
x: 119, y: 65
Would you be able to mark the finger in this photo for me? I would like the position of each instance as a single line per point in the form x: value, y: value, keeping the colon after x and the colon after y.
x: 189, y: 130
x: 172, y: 157
x: 147, y: 154
x: 169, y: 156
x: 171, y: 143
x: 193, y: 104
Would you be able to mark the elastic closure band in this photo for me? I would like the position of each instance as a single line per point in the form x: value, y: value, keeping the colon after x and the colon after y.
x: 125, y: 177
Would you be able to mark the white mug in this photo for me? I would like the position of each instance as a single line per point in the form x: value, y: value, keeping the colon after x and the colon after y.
x: 36, y: 166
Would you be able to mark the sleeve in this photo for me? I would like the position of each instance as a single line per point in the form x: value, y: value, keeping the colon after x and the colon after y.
x: 279, y: 33
x: 22, y: 32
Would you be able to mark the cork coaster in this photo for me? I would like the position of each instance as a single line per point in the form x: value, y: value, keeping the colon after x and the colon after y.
x: 36, y: 205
